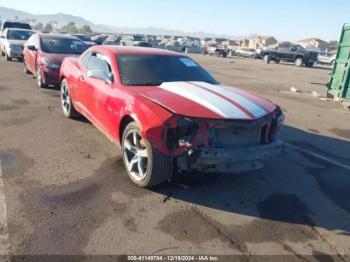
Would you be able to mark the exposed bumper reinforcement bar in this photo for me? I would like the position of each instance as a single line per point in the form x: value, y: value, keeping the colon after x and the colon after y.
x: 232, y: 160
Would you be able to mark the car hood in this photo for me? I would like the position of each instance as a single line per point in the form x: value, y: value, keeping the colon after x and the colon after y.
x: 203, y: 100
x: 57, y: 58
x: 16, y: 42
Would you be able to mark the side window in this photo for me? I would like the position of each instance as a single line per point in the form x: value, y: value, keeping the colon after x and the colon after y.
x: 85, y: 58
x: 99, y: 62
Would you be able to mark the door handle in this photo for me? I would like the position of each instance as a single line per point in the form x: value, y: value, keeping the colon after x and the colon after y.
x: 82, y: 78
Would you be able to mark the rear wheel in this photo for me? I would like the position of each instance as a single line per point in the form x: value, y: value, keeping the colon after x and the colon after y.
x: 66, y: 102
x: 145, y: 166
x: 278, y: 61
x: 2, y: 53
x: 299, y: 62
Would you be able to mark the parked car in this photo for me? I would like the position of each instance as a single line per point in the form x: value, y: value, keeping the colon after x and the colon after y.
x: 99, y: 39
x: 44, y: 53
x: 115, y: 41
x: 248, y: 52
x: 215, y: 50
x: 143, y: 44
x: 194, y: 49
x: 168, y: 113
x: 86, y: 39
x: 291, y: 53
x: 12, y: 41
x: 326, y: 59
x: 14, y: 24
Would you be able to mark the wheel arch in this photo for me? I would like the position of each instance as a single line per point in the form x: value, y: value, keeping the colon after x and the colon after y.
x: 126, y: 120
x: 299, y: 56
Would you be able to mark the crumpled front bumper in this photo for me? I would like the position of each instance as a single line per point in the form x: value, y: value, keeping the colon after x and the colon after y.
x: 229, y: 160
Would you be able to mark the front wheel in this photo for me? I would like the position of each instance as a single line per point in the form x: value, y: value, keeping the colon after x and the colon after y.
x: 25, y: 68
x: 66, y: 102
x: 299, y: 62
x: 267, y: 59
x: 8, y: 58
x: 39, y: 79
x: 145, y: 166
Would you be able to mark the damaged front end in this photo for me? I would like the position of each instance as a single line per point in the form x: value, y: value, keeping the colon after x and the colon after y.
x: 223, y: 146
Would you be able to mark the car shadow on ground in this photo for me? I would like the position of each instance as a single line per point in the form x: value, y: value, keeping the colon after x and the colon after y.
x: 294, y: 188
x: 314, y: 67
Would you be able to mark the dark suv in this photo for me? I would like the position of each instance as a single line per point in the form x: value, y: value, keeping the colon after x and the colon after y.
x: 290, y: 53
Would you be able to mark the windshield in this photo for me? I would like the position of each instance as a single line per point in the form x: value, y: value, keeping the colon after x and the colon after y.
x: 62, y: 45
x: 143, y: 70
x: 19, y: 35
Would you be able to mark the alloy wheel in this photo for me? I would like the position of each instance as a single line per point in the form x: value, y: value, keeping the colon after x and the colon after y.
x: 135, y: 155
x: 65, y: 99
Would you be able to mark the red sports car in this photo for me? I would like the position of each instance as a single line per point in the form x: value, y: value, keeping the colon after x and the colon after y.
x: 44, y: 53
x: 168, y: 114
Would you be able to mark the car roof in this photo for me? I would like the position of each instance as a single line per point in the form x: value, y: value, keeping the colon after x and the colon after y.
x: 132, y: 50
x: 18, y: 29
x: 47, y: 35
x: 15, y: 21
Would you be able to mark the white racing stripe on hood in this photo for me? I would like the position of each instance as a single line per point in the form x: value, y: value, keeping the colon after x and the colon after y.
x: 250, y: 106
x: 205, y: 98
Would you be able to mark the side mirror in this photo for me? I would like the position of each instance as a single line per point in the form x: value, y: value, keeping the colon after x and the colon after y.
x: 32, y: 48
x: 100, y: 74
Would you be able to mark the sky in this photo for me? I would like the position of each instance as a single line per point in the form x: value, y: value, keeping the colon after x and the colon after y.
x: 286, y: 20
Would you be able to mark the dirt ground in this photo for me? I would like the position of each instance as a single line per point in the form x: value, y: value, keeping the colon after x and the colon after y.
x: 64, y: 189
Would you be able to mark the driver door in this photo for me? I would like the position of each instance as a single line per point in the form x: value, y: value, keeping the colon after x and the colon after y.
x: 98, y: 91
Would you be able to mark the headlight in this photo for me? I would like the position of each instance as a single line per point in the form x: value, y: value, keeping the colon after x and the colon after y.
x: 180, y: 132
x: 49, y: 64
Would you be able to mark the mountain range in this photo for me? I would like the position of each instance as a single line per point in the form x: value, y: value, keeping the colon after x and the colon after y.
x: 63, y: 19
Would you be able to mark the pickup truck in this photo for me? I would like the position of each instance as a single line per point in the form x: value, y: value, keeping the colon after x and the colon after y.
x: 293, y: 53
x: 214, y: 49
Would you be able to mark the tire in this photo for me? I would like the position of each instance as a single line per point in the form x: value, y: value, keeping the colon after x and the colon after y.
x: 309, y: 65
x: 39, y: 79
x: 8, y: 58
x: 66, y: 102
x: 267, y: 59
x: 152, y: 168
x: 299, y: 62
x: 26, y: 71
x: 2, y: 53
x: 278, y: 61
